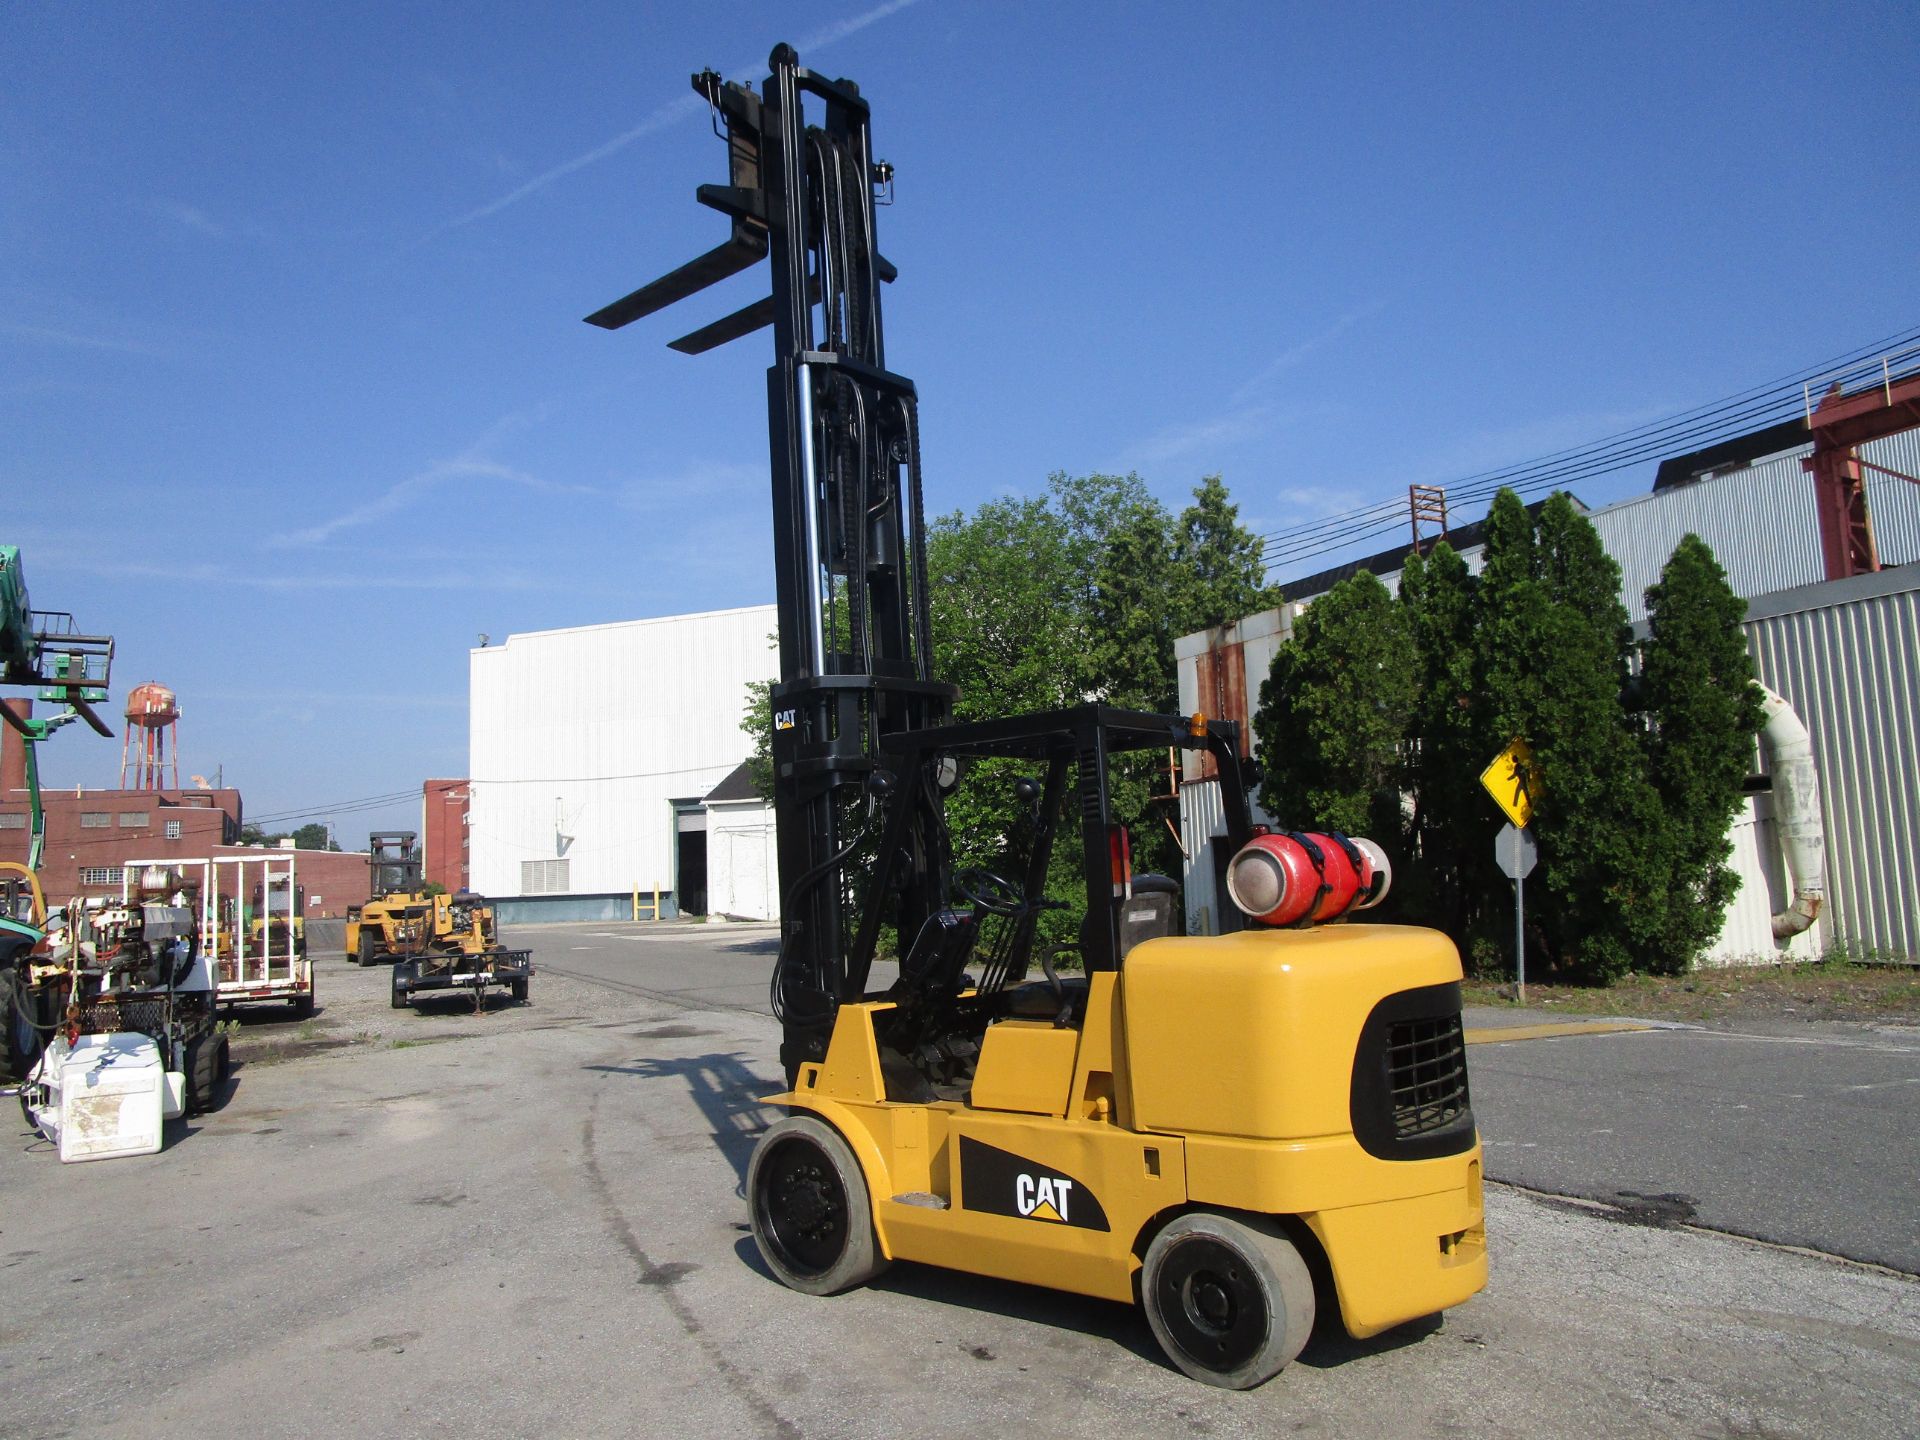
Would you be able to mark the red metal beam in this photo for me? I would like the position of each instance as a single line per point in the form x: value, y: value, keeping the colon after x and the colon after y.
x: 1840, y: 424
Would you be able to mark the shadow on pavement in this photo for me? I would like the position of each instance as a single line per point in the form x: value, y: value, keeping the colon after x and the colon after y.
x: 728, y: 1094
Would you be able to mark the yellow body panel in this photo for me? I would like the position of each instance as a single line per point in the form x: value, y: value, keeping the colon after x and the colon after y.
x: 1252, y: 1034
x: 1026, y: 1065
x: 1215, y: 1073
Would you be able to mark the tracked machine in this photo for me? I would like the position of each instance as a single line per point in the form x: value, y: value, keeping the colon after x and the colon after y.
x: 436, y: 941
x: 1235, y: 1131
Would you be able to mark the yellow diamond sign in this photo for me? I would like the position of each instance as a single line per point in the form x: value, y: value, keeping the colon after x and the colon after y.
x: 1511, y: 780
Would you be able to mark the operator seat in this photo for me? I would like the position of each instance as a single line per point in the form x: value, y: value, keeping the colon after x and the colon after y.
x: 1153, y: 911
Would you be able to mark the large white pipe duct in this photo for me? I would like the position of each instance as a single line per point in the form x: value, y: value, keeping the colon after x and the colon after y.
x: 1796, y: 812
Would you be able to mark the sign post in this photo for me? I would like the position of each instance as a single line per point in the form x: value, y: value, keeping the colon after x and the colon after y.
x: 1516, y: 854
x: 1511, y: 780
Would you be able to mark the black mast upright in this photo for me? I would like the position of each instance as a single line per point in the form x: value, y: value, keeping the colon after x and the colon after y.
x: 849, y: 534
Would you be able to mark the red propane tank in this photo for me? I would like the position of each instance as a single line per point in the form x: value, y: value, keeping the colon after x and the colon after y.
x: 1295, y: 878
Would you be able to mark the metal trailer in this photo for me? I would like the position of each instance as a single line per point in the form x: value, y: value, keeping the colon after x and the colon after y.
x: 247, y: 969
x: 438, y: 970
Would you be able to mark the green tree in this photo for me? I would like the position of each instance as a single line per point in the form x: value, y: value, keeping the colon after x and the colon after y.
x: 1007, y: 628
x: 1223, y: 576
x: 1132, y: 618
x: 1553, y: 638
x: 1451, y: 828
x: 1601, y: 822
x: 314, y: 836
x: 1702, y: 709
x: 1334, y: 712
x: 1009, y: 631
x: 757, y: 721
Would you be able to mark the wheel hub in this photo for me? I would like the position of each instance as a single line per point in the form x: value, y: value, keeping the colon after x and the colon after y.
x: 1212, y: 1304
x: 802, y: 1207
x: 806, y: 1198
x: 1208, y: 1302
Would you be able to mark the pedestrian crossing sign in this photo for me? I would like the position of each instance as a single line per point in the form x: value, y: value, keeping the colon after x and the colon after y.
x: 1512, y: 781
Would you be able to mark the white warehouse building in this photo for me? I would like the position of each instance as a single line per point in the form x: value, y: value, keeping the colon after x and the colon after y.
x: 592, y: 751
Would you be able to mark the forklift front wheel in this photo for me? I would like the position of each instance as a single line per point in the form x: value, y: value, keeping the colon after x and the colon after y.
x: 365, y: 956
x: 811, y: 1217
x: 1229, y: 1300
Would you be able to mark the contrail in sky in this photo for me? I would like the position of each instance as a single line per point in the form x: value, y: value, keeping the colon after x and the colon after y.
x: 670, y: 113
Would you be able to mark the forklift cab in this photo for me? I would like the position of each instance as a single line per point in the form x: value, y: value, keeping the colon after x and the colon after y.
x: 969, y: 963
x: 394, y: 861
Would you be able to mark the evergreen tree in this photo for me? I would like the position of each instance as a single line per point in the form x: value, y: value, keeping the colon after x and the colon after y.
x: 1132, y: 619
x: 1702, y: 708
x: 1600, y: 826
x: 1450, y: 829
x: 1224, y: 576
x: 1334, y: 711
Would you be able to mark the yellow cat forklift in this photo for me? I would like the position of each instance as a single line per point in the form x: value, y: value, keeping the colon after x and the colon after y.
x: 1233, y: 1130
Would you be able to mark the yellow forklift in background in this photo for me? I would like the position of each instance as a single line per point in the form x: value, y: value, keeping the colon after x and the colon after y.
x: 1238, y: 1131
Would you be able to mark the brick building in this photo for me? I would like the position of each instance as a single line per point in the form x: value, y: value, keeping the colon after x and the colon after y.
x: 444, y: 803
x: 91, y: 834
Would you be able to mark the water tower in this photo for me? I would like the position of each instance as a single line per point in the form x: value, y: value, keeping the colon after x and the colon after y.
x: 151, y: 748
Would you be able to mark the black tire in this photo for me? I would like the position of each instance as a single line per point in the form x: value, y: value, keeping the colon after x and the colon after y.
x: 404, y: 972
x: 1230, y: 1300
x: 517, y: 987
x: 208, y: 1064
x: 303, y: 1004
x: 368, y: 951
x: 811, y: 1216
x: 17, y: 1005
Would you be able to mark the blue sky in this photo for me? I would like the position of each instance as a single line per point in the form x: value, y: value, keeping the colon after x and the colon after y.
x: 297, y: 401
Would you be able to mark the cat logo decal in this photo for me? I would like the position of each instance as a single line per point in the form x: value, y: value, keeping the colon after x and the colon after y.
x: 997, y: 1182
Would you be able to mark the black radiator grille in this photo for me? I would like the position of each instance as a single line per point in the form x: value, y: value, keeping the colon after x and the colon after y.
x: 1410, y: 1098
x: 1426, y: 1074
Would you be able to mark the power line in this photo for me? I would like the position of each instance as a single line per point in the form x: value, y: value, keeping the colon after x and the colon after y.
x: 1674, y: 434
x: 338, y: 807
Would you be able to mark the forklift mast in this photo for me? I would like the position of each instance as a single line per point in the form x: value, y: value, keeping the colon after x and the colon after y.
x: 849, y: 533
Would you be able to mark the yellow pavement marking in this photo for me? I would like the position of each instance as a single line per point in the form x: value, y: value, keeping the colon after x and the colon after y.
x: 1500, y: 1034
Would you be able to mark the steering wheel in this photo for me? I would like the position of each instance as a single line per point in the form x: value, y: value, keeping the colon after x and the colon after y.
x: 988, y: 891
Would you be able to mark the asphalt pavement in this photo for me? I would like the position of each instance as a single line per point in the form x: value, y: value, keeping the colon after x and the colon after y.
x: 528, y: 1220
x: 1804, y: 1138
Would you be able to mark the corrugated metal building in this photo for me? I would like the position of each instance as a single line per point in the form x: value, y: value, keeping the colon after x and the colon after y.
x: 1846, y: 655
x: 591, y: 751
x: 1759, y: 520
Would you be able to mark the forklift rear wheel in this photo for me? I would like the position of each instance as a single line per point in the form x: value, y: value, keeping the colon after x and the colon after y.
x: 365, y: 957
x: 811, y: 1216
x: 1230, y: 1301
x: 404, y: 972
